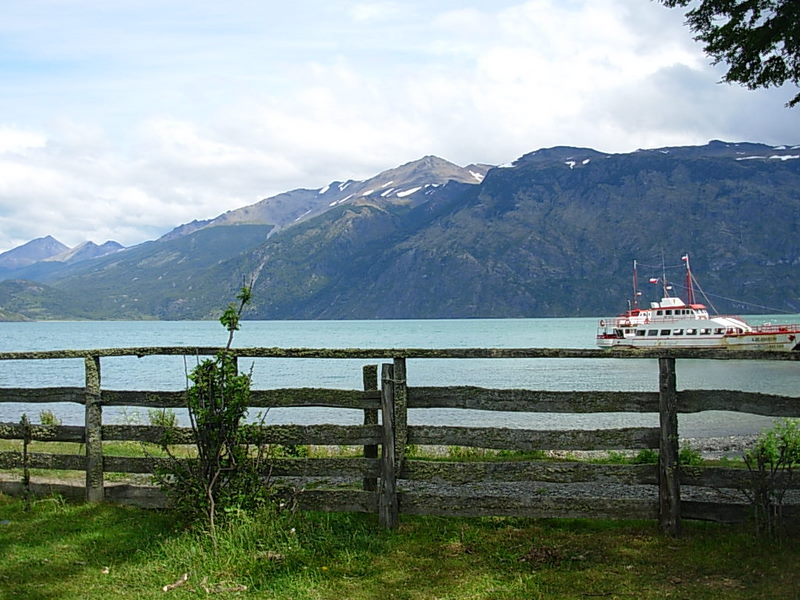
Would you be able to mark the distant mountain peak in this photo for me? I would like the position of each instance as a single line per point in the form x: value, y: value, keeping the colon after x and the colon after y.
x: 85, y: 251
x: 400, y: 184
x: 31, y: 252
x: 561, y: 154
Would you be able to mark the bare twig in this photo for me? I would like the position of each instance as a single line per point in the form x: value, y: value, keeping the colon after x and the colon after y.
x: 181, y: 581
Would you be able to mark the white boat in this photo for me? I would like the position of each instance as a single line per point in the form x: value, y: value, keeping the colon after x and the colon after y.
x: 673, y: 323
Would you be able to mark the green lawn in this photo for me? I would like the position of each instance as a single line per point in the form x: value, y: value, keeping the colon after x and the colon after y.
x: 58, y: 550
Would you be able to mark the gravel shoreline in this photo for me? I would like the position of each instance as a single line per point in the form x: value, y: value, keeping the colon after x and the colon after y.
x: 732, y: 446
x: 710, y: 448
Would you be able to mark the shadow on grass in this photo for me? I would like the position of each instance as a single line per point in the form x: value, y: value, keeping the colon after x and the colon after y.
x: 56, y: 549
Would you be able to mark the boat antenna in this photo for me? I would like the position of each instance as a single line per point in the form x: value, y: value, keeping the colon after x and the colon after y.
x: 664, y: 284
x: 689, y: 279
x: 635, y: 287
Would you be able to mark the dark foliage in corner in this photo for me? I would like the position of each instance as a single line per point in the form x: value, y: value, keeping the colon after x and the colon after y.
x: 759, y: 40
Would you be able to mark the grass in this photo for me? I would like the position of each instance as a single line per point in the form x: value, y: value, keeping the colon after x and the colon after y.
x: 62, y: 551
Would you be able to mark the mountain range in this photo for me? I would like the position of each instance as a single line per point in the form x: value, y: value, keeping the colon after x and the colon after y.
x: 552, y: 234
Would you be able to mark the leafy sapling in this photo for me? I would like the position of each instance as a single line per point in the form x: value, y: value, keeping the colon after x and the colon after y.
x: 226, y: 474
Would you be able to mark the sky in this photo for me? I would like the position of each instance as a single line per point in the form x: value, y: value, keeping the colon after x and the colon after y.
x: 122, y: 119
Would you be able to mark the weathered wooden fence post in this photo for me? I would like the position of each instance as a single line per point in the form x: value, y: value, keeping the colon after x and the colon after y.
x: 388, y: 508
x: 93, y: 428
x: 669, y: 491
x: 400, y: 411
x: 370, y: 379
x: 26, y: 472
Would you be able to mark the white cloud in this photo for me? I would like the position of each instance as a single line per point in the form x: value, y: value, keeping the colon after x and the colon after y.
x: 124, y: 122
x: 366, y: 12
x: 14, y: 140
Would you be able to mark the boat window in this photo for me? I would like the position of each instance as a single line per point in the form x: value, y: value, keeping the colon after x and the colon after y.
x: 677, y: 332
x: 719, y: 330
x: 665, y: 332
x: 668, y: 312
x: 691, y: 332
x: 652, y: 332
x: 659, y: 313
x: 640, y: 332
x: 705, y: 332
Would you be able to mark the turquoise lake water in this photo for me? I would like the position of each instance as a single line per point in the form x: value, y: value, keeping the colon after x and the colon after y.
x: 168, y: 373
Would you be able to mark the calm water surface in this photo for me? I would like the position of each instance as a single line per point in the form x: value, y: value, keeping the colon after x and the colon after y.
x: 169, y: 373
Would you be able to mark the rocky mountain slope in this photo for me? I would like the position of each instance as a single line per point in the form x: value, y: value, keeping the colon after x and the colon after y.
x: 183, y: 274
x: 551, y: 234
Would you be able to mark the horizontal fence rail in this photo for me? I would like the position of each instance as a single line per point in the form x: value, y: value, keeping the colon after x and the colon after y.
x: 390, y: 481
x: 404, y: 353
x: 466, y: 397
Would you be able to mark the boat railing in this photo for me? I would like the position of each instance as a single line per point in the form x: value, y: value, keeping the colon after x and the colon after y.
x: 628, y: 322
x: 782, y: 328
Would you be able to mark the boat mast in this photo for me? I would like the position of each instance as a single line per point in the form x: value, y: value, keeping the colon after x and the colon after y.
x: 664, y: 283
x: 689, y: 284
x: 635, y: 287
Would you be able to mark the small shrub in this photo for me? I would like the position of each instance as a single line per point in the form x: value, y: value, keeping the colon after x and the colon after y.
x: 689, y: 457
x: 48, y: 417
x: 772, y: 462
x: 412, y: 451
x: 229, y: 473
x: 162, y: 417
x: 616, y: 458
x: 648, y: 456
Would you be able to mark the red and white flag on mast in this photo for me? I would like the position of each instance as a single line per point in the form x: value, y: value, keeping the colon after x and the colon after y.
x: 654, y: 280
x: 685, y: 258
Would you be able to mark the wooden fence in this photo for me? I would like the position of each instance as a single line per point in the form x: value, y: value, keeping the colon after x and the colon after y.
x: 389, y: 482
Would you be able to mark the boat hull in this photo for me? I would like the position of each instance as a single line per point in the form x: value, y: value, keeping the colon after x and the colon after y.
x: 785, y: 341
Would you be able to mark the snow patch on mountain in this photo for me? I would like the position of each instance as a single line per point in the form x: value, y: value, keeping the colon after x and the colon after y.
x: 408, y: 192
